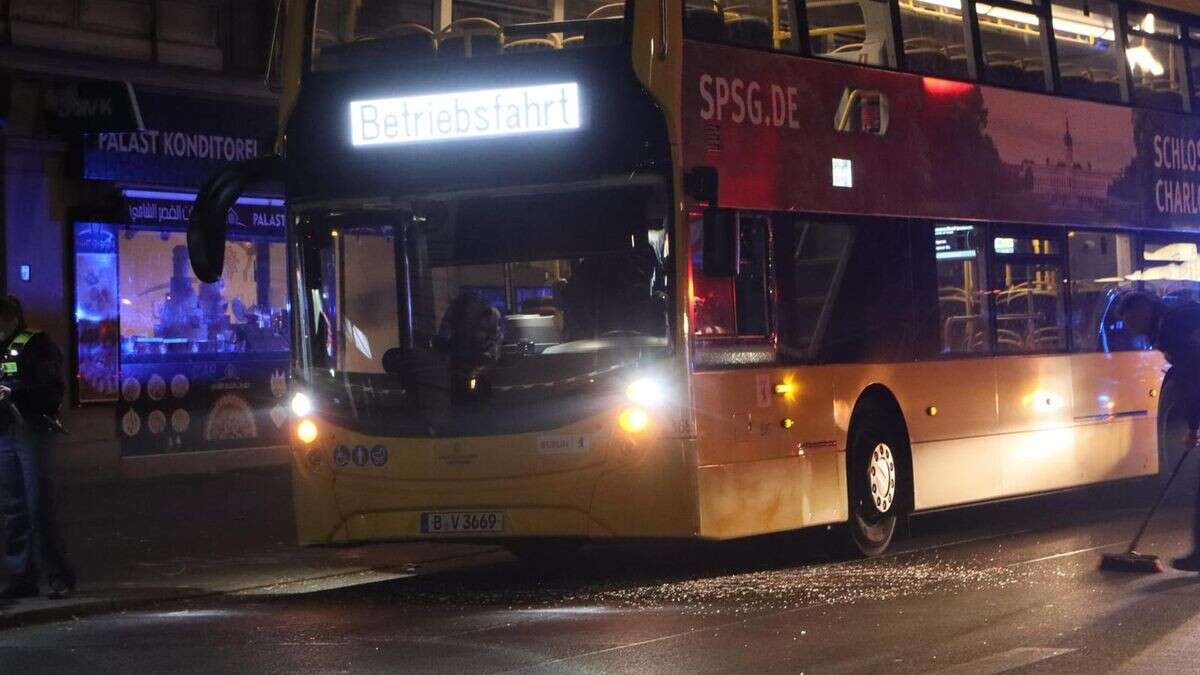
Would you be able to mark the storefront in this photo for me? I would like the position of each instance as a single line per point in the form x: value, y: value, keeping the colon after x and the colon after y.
x: 187, y: 366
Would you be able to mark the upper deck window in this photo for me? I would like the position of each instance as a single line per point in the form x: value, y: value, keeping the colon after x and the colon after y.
x: 1156, y: 60
x: 933, y: 37
x: 1011, y: 42
x: 1089, y: 64
x: 761, y: 24
x: 851, y: 30
x: 366, y: 33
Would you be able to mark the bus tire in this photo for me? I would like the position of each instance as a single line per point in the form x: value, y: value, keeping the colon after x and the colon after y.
x: 877, y: 462
x: 1172, y: 426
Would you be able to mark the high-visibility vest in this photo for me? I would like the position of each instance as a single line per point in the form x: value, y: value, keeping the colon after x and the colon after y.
x: 10, y: 368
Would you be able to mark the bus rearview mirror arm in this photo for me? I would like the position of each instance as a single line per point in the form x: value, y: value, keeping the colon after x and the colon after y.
x: 209, y: 223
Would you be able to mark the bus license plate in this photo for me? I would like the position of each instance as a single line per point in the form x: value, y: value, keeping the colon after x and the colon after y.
x: 460, y: 522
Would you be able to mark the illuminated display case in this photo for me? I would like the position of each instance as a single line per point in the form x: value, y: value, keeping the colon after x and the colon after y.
x: 191, y: 366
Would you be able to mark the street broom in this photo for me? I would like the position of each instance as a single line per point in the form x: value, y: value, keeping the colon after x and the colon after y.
x: 1131, y: 560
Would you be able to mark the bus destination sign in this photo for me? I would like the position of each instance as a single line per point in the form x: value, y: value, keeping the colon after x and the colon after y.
x: 465, y: 114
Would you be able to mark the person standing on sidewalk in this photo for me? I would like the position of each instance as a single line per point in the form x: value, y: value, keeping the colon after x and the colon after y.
x: 31, y: 391
x: 1179, y: 341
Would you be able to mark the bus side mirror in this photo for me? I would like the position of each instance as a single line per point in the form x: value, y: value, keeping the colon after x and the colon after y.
x: 721, y: 243
x: 209, y: 220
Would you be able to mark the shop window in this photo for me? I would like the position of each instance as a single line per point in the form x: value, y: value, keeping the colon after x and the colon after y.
x: 97, y: 312
x: 1028, y: 294
x: 759, y: 24
x: 1155, y: 61
x: 933, y: 37
x: 165, y: 310
x: 845, y: 291
x: 732, y: 306
x: 1011, y: 42
x: 851, y: 30
x: 961, y: 289
x: 1089, y: 64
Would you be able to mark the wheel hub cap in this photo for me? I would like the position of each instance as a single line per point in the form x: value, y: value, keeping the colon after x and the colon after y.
x: 881, y: 476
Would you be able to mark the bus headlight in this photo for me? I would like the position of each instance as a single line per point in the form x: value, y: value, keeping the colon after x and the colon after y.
x: 301, y: 404
x: 633, y: 420
x: 306, y: 431
x: 646, y: 391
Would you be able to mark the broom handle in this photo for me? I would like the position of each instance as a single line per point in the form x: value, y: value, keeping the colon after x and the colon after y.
x: 1162, y: 495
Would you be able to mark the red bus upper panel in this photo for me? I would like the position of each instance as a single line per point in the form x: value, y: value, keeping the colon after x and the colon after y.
x: 791, y: 133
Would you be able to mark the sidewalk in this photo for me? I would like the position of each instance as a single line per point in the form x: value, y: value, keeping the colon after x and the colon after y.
x: 138, y: 542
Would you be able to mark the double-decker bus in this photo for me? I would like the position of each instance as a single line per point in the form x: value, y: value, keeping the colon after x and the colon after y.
x: 567, y: 270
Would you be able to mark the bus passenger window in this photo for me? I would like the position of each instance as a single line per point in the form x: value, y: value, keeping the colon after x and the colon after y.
x: 1156, y: 62
x: 962, y: 294
x: 933, y: 38
x: 1171, y: 268
x: 1011, y: 42
x: 851, y: 30
x: 1103, y: 270
x: 732, y: 306
x: 845, y: 291
x: 1088, y: 61
x: 1028, y: 294
x: 759, y: 24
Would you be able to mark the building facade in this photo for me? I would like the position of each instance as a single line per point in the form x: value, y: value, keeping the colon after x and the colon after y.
x: 113, y: 113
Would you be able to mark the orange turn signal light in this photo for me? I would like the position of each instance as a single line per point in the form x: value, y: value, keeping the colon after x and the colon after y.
x: 306, y: 431
x: 633, y: 420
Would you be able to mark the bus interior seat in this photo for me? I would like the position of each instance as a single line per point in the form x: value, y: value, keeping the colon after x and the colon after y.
x: 604, y: 26
x: 922, y: 44
x: 956, y: 54
x: 1105, y: 84
x: 573, y: 41
x: 1045, y: 339
x: 531, y: 45
x: 929, y: 61
x: 1033, y: 78
x: 849, y: 52
x: 703, y: 23
x: 613, y: 10
x: 409, y: 39
x: 1077, y: 85
x: 749, y: 31
x: 1004, y: 69
x: 473, y: 36
x: 1009, y: 340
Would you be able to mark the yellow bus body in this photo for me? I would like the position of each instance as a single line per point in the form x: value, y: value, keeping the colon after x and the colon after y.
x: 980, y: 429
x: 746, y: 460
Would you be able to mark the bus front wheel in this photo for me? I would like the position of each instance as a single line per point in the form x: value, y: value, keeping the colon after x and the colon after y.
x: 878, y: 481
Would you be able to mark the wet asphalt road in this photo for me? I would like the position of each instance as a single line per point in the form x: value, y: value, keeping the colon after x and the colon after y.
x: 986, y: 590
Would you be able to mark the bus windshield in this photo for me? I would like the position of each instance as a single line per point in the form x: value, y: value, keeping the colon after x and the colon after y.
x: 358, y: 33
x: 509, y: 312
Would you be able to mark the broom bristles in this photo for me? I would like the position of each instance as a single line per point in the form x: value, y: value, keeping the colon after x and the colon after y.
x: 1131, y: 562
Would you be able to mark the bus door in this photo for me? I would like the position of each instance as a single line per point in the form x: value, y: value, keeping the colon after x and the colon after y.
x: 1112, y: 302
x: 1029, y: 328
x: 1033, y: 371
